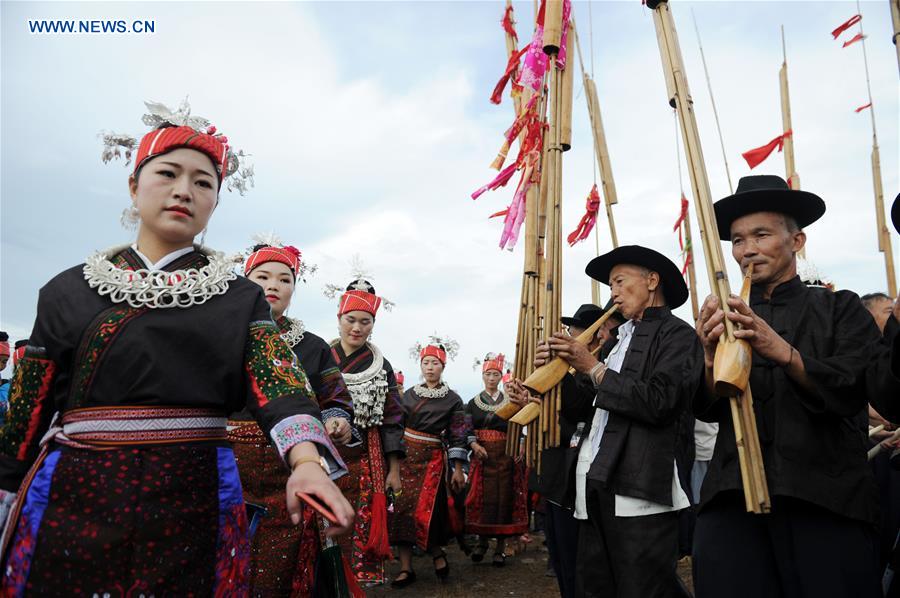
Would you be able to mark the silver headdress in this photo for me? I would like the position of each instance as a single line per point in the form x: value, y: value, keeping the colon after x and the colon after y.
x: 450, y: 346
x: 811, y: 276
x: 238, y: 176
x: 270, y: 239
x: 360, y: 282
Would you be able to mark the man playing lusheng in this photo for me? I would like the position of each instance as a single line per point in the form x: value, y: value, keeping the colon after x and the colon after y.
x: 810, y: 348
x: 626, y: 466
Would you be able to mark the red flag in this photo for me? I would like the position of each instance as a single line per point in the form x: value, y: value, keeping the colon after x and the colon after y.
x: 856, y: 38
x: 861, y: 108
x: 846, y: 25
x: 756, y: 156
x: 587, y: 222
x: 508, y: 23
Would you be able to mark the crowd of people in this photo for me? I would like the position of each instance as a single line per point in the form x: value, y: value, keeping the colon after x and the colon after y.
x: 169, y: 430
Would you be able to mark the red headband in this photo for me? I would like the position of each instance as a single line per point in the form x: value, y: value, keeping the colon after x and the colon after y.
x: 161, y: 141
x: 494, y: 364
x: 288, y: 255
x: 400, y: 378
x: 359, y: 301
x: 18, y: 354
x: 435, y: 352
x: 4, y: 348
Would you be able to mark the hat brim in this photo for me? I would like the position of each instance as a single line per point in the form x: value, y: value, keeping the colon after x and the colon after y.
x: 673, y: 284
x: 895, y: 213
x: 804, y: 207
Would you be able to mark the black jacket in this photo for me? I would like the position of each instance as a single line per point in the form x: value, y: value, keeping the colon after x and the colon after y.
x: 646, y: 401
x: 883, y: 373
x: 813, y: 446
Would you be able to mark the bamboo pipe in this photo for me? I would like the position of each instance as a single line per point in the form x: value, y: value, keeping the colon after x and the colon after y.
x: 875, y: 450
x: 692, y: 275
x: 553, y: 13
x: 790, y: 169
x: 566, y: 91
x: 875, y: 430
x: 884, y: 235
x: 680, y: 98
x: 895, y: 17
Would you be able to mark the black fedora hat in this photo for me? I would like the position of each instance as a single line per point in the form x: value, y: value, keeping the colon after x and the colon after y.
x: 767, y: 193
x: 895, y: 213
x: 584, y: 316
x: 673, y: 285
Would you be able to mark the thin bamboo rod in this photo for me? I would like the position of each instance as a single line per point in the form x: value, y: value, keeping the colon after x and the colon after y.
x: 712, y: 100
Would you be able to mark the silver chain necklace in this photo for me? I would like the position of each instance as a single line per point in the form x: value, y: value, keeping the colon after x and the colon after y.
x: 438, y: 392
x: 295, y: 331
x: 159, y: 289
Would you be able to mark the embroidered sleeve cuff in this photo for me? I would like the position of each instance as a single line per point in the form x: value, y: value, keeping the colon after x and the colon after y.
x: 460, y: 454
x: 295, y: 429
x: 470, y: 440
x: 333, y: 412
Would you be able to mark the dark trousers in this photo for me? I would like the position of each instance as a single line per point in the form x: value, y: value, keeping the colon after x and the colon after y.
x: 561, y: 530
x: 626, y: 557
x: 799, y: 550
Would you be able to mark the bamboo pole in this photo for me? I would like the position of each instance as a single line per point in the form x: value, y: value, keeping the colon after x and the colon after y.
x: 731, y: 352
x: 883, y: 234
x: 692, y: 275
x: 895, y: 17
x: 790, y: 169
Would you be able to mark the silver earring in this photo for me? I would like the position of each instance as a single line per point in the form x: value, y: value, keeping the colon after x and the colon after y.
x: 203, y: 238
x: 130, y: 218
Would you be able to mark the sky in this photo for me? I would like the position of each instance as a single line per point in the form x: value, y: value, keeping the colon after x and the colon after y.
x: 369, y: 126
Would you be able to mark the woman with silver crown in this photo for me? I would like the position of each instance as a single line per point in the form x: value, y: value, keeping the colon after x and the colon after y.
x: 497, y: 502
x: 141, y: 352
x: 374, y: 453
x: 284, y: 556
x: 434, y: 415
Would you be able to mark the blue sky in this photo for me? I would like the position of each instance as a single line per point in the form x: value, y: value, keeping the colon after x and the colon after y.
x: 369, y: 125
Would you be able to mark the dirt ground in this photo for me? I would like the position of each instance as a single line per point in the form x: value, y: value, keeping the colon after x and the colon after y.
x: 524, y: 575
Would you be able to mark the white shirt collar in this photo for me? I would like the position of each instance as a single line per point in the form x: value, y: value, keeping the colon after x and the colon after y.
x: 165, y: 260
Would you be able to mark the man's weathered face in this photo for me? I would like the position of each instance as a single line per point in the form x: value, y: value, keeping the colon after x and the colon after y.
x: 881, y: 310
x: 766, y: 240
x: 632, y: 288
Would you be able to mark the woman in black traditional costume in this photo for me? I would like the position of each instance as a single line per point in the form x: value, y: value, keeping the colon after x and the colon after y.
x: 131, y: 488
x: 373, y: 455
x: 434, y: 414
x: 497, y: 503
x: 284, y: 556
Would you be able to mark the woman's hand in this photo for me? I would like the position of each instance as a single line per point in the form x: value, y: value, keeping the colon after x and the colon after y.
x: 309, y: 477
x: 393, y: 482
x: 479, y: 451
x: 339, y: 430
x: 457, y: 480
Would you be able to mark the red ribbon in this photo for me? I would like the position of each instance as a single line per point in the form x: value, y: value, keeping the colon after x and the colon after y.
x: 756, y: 156
x: 587, y: 222
x: 681, y: 217
x: 498, y: 214
x: 499, y: 181
x: 861, y: 108
x: 856, y: 38
x: 512, y: 67
x: 846, y: 25
x: 507, y: 23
